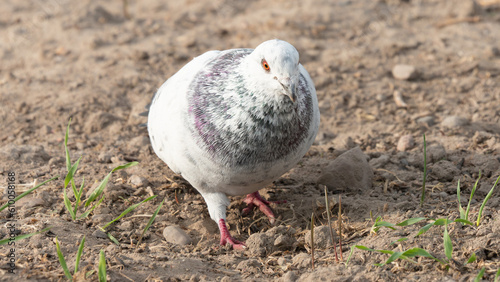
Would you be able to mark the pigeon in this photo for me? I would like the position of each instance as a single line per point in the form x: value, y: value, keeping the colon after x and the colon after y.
x: 231, y: 122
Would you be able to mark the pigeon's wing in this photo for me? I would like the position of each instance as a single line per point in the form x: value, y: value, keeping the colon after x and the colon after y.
x: 169, y: 110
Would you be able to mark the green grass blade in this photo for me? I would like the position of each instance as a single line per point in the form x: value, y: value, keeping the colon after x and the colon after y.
x: 463, y: 221
x: 100, y: 189
x: 460, y: 209
x: 102, y: 267
x: 78, y: 196
x: 472, y: 195
x: 497, y: 276
x: 424, y: 229
x: 151, y: 220
x: 350, y: 255
x: 393, y: 257
x: 422, y: 253
x: 442, y: 221
x: 398, y: 240
x: 85, y: 214
x: 129, y: 209
x: 71, y: 172
x: 62, y: 261
x: 111, y: 237
x: 422, y: 197
x: 485, y: 201
x: 67, y: 204
x: 79, y: 254
x: 410, y: 221
x: 471, y: 259
x: 20, y: 237
x: 480, y: 275
x: 27, y: 192
x: 448, y: 246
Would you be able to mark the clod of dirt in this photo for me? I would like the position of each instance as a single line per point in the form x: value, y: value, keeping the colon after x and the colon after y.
x: 321, y: 237
x: 350, y: 171
x: 404, y: 72
x: 487, y: 163
x: 428, y: 120
x: 138, y: 181
x: 290, y: 276
x: 436, y: 153
x: 454, y: 122
x: 379, y: 162
x: 302, y: 260
x: 175, y: 235
x: 249, y: 266
x: 276, y: 238
x: 405, y: 143
x: 444, y: 170
x: 25, y: 153
x: 98, y: 121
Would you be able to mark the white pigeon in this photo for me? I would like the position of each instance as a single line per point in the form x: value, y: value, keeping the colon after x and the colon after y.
x: 231, y: 122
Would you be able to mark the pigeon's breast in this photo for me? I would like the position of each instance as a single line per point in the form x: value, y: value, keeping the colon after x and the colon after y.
x: 236, y: 127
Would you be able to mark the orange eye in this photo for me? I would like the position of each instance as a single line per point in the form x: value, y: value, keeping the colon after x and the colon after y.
x: 265, y: 65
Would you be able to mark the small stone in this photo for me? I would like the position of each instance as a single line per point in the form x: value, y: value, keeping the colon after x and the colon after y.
x: 302, y: 260
x: 104, y: 157
x: 429, y: 120
x: 99, y: 234
x: 348, y: 172
x: 138, y: 181
x: 405, y: 142
x: 404, y: 72
x: 290, y: 276
x: 175, y: 235
x: 454, y: 122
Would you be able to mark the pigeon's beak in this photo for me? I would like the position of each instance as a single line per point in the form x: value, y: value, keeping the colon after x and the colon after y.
x: 290, y: 88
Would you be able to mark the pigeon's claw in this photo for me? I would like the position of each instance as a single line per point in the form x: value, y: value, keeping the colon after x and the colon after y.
x: 226, y: 238
x: 254, y: 199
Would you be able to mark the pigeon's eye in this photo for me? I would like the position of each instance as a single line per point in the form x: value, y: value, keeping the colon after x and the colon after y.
x: 265, y: 65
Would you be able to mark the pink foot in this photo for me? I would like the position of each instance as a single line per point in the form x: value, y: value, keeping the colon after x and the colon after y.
x: 254, y: 199
x: 225, y: 237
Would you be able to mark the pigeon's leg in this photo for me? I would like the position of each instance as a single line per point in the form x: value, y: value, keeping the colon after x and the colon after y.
x: 226, y: 238
x: 254, y: 199
x: 217, y: 204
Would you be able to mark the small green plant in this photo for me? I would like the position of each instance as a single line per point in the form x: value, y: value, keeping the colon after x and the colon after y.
x: 62, y: 260
x: 26, y: 193
x: 97, y: 193
x: 480, y: 275
x: 102, y: 267
x: 464, y: 214
x: 151, y: 220
x: 20, y: 237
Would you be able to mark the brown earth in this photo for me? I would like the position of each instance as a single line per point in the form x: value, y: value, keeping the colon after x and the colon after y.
x: 100, y: 63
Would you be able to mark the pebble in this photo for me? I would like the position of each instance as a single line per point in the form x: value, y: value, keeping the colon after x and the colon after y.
x: 405, y: 143
x: 138, y: 181
x: 404, y: 72
x: 175, y: 235
x: 429, y: 120
x: 454, y: 122
x: 348, y: 172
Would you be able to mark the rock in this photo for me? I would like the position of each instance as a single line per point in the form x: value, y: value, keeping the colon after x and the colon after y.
x: 175, y: 235
x: 429, y: 120
x: 321, y: 237
x: 138, y: 181
x: 405, y: 142
x: 444, y: 171
x: 454, y: 122
x: 98, y: 233
x: 435, y: 153
x: 25, y: 153
x: 379, y: 162
x: 302, y: 260
x: 276, y: 238
x: 349, y: 172
x: 404, y: 72
x: 290, y: 276
x: 104, y: 157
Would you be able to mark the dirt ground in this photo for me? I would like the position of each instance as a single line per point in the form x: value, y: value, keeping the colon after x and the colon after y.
x: 99, y: 63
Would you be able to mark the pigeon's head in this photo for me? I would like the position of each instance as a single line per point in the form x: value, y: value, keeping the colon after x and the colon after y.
x: 275, y: 63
